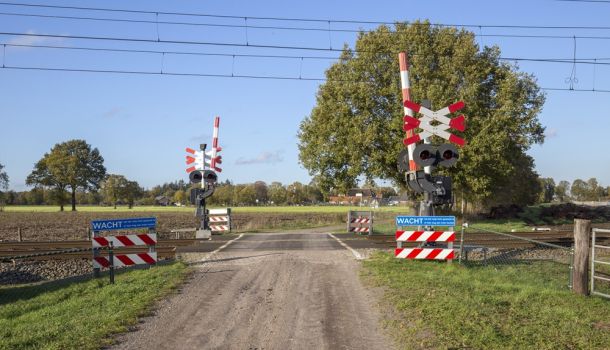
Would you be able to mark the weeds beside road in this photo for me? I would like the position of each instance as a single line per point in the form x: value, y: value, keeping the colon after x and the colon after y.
x: 524, y: 306
x: 82, y: 314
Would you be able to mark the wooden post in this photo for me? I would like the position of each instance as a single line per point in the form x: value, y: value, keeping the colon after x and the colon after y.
x: 349, y: 219
x: 580, y: 271
x: 19, y: 238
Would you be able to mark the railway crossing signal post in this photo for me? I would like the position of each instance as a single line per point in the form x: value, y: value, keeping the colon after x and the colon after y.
x: 437, y: 190
x: 203, y: 166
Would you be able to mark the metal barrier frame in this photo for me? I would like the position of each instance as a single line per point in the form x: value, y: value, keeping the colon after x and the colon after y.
x: 593, y: 262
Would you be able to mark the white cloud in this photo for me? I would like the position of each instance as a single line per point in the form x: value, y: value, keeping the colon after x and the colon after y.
x: 263, y: 158
x: 32, y: 39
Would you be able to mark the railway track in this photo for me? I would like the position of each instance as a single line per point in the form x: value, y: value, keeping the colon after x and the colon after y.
x: 165, y: 249
x: 492, y: 240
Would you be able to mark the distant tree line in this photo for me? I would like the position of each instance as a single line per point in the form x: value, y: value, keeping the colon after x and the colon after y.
x: 73, y: 172
x: 118, y: 190
x: 578, y: 190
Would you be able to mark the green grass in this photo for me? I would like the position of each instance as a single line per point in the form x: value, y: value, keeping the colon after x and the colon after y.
x: 80, y: 315
x: 501, y: 225
x: 526, y: 306
x: 259, y: 209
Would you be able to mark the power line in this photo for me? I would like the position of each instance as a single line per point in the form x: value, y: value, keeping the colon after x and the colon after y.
x: 593, y: 61
x: 583, y: 1
x: 273, y: 77
x: 290, y: 19
x: 194, y: 53
x: 185, y: 42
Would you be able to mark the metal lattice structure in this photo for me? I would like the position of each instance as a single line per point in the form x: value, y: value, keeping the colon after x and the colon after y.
x: 600, y: 263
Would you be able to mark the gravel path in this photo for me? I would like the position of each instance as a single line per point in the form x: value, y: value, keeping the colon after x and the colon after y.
x: 268, y: 291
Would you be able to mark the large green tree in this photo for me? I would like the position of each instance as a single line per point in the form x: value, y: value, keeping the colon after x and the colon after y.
x: 355, y: 130
x: 70, y: 165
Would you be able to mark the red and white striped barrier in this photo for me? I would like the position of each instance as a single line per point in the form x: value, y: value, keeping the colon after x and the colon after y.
x: 425, y: 236
x: 149, y: 258
x: 221, y: 219
x: 215, y: 160
x: 361, y: 220
x: 125, y: 241
x: 424, y: 253
x: 406, y: 96
x: 423, y: 123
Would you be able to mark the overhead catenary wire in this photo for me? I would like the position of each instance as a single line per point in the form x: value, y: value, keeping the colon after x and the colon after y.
x: 158, y: 39
x: 245, y: 76
x: 289, y: 19
x: 585, y: 1
x: 247, y: 26
x: 297, y: 57
x: 188, y: 42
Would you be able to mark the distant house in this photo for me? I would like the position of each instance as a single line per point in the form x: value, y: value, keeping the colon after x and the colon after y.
x: 356, y: 196
x: 361, y: 192
x: 163, y: 201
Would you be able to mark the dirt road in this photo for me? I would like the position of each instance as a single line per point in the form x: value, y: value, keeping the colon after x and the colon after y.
x: 268, y: 291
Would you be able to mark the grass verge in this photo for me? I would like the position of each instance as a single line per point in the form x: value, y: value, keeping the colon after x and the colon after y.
x: 435, y: 305
x: 83, y: 314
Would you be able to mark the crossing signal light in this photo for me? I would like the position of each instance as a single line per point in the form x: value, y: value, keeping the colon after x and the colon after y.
x: 445, y: 155
x: 195, y: 176
x: 448, y: 155
x: 425, y: 155
x: 208, y: 176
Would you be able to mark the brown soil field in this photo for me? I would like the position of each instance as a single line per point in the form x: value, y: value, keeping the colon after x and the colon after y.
x: 74, y: 225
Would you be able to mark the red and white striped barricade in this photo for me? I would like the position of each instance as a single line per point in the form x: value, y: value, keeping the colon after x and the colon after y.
x: 425, y: 253
x: 149, y: 258
x: 220, y: 220
x: 360, y: 222
x: 423, y: 236
x: 149, y: 239
x: 124, y: 241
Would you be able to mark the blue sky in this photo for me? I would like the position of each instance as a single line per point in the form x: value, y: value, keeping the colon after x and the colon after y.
x: 142, y: 123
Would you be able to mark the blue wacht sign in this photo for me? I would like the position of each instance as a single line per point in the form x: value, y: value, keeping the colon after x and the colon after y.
x: 123, y: 224
x: 425, y: 221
